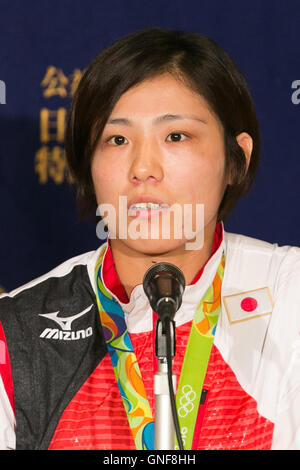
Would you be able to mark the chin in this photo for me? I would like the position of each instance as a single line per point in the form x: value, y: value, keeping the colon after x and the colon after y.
x: 154, y: 247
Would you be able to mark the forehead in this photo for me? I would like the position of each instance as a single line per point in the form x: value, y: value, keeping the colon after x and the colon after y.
x: 161, y: 94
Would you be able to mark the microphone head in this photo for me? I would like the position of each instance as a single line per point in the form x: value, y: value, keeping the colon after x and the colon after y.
x: 164, y: 285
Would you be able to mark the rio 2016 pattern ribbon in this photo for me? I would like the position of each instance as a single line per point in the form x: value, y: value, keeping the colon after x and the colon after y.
x: 125, y: 365
x: 127, y: 372
x: 196, y: 357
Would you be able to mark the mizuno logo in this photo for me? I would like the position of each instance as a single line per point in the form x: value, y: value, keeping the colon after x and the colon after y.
x: 65, y: 324
x: 54, y: 333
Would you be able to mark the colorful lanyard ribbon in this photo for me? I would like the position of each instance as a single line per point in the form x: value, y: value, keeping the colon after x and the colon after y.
x: 125, y: 365
x: 126, y: 369
x: 196, y: 358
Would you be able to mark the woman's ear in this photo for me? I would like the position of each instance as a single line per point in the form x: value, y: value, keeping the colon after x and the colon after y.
x: 245, y: 141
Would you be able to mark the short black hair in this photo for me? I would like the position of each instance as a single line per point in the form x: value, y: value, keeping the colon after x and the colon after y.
x: 191, y: 57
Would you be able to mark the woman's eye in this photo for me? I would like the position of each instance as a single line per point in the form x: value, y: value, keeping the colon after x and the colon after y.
x: 117, y: 140
x: 176, y: 137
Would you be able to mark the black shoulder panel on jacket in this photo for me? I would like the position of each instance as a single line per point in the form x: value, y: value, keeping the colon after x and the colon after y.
x: 54, y: 341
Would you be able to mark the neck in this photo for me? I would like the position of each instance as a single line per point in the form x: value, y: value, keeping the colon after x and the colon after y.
x: 131, y: 264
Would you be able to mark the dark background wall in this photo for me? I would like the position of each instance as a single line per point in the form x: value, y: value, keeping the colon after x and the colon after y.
x: 44, y: 46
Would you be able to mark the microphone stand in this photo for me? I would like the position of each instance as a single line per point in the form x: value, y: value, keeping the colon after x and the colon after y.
x: 164, y: 438
x: 164, y: 285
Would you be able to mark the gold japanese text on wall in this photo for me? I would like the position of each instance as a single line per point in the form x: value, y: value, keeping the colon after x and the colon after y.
x: 50, y: 161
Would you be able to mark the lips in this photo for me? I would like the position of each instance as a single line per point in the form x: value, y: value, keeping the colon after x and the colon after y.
x: 144, y: 206
x: 146, y: 199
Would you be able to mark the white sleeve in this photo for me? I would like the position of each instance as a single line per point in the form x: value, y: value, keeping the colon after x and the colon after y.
x: 287, y: 424
x: 7, y: 421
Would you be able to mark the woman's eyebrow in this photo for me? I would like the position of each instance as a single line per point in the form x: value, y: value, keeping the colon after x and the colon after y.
x: 157, y: 120
x: 174, y: 117
x: 123, y: 121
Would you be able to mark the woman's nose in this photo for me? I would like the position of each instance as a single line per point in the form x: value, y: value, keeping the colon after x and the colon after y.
x: 146, y: 163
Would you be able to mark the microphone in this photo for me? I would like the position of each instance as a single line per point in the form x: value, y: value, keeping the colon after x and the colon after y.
x: 164, y: 285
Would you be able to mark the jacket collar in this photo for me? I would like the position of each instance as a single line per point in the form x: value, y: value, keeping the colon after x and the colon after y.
x: 137, y: 311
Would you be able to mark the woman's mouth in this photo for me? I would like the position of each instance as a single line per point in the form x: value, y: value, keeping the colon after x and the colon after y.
x: 146, y: 209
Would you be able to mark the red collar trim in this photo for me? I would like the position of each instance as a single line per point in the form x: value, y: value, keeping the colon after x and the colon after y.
x: 113, y: 283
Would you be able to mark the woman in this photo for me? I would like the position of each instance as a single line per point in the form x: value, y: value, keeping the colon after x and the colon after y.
x: 160, y: 120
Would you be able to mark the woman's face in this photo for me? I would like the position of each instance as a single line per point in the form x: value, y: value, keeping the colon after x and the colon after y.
x: 161, y: 144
